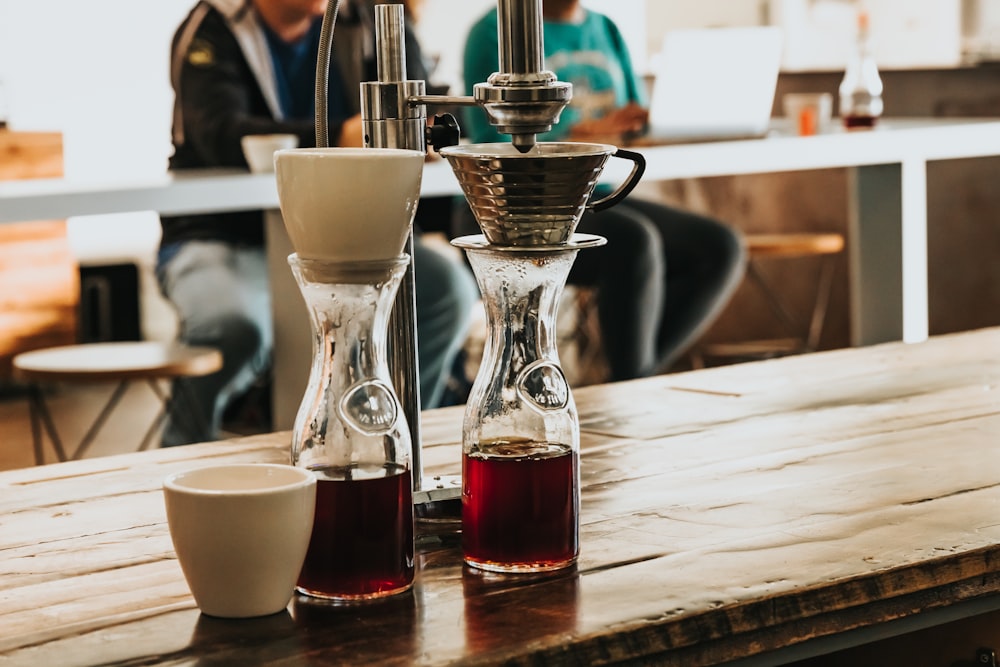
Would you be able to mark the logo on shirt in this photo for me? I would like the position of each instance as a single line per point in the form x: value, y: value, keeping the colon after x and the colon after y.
x: 201, y: 54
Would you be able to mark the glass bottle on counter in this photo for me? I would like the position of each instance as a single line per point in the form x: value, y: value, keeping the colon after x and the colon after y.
x: 861, y: 87
x: 351, y: 431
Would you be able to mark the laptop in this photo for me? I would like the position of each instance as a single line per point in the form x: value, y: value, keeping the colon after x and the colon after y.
x: 714, y: 84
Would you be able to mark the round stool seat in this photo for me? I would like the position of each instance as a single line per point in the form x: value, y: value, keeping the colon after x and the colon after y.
x: 121, y: 363
x: 116, y: 361
x: 794, y: 245
x: 822, y: 245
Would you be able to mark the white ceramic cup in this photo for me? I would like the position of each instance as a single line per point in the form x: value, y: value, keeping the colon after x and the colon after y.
x: 348, y: 204
x: 259, y: 149
x: 241, y: 532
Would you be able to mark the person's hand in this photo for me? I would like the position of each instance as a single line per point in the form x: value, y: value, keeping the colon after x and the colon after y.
x: 352, y: 133
x: 630, y: 119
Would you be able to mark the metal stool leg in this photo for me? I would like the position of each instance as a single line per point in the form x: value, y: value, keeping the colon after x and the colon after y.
x: 42, y: 420
x: 105, y: 363
x: 777, y: 304
x: 161, y: 415
x: 823, y: 290
x: 91, y: 433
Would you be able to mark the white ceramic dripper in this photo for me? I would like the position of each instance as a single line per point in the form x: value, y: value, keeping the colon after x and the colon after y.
x: 348, y: 204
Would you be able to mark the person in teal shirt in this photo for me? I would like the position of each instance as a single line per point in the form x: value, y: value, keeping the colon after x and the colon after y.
x: 665, y: 274
x: 586, y: 49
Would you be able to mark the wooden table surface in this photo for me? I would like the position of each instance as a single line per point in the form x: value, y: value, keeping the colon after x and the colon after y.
x: 726, y: 513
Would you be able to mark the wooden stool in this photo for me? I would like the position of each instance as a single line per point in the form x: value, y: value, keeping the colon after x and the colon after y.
x: 802, y: 338
x: 123, y: 363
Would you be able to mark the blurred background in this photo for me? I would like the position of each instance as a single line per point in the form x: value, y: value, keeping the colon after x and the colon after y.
x: 97, y: 70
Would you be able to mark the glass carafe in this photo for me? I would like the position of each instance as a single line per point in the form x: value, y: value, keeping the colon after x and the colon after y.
x: 521, y: 436
x: 861, y: 88
x: 351, y: 431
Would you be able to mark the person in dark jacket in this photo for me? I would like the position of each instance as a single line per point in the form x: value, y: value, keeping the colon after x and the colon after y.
x: 242, y: 67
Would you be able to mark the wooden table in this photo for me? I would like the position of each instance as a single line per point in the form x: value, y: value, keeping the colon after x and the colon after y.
x: 770, y: 510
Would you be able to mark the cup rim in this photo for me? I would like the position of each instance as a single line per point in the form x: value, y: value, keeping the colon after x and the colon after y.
x: 346, y: 151
x: 174, y: 481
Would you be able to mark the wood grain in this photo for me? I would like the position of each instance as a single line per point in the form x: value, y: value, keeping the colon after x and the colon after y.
x: 726, y: 513
x: 39, y: 278
x: 30, y: 155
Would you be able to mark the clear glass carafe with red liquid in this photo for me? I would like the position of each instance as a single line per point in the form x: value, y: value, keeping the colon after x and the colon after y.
x: 351, y: 431
x: 521, y: 435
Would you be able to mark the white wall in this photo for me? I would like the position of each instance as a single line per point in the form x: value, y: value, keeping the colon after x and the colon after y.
x: 982, y: 27
x: 664, y: 16
x: 819, y: 34
x: 97, y: 71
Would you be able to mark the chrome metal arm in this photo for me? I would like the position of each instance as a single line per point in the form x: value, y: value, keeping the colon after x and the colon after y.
x: 522, y: 99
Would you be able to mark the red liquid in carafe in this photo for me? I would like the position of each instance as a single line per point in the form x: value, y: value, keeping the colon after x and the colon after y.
x: 859, y: 122
x: 362, y: 538
x: 520, y: 506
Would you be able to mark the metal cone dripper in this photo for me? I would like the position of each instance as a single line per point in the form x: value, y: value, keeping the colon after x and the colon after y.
x: 535, y: 198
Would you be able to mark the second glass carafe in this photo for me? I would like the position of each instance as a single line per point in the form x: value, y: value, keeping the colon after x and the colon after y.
x: 521, y: 436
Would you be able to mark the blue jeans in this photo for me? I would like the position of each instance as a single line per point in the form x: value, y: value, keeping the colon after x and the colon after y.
x: 221, y: 296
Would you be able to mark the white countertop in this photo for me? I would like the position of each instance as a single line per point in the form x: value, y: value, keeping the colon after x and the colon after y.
x: 190, y: 191
x: 893, y: 140
x: 210, y: 190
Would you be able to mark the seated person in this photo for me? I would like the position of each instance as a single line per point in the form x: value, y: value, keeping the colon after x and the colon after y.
x: 665, y: 274
x: 242, y: 68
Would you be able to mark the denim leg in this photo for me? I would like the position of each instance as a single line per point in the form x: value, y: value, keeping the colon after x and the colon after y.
x: 663, y: 278
x: 629, y: 275
x: 222, y: 299
x: 446, y: 293
x: 705, y: 262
